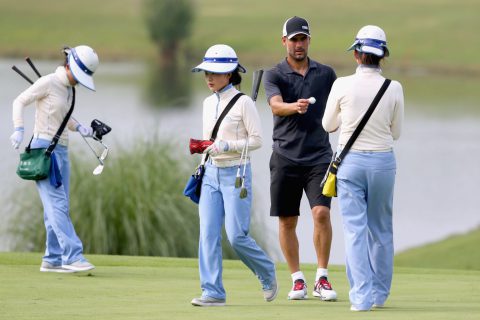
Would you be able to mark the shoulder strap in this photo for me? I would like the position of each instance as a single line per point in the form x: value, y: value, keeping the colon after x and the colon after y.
x: 55, y: 139
x: 364, y: 120
x: 229, y: 106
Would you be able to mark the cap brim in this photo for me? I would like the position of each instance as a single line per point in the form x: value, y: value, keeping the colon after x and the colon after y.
x: 290, y: 36
x: 353, y: 46
x: 215, y: 67
x: 373, y: 50
x: 380, y: 52
x: 80, y: 76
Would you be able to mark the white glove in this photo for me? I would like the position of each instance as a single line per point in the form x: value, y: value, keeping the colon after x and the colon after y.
x: 17, y: 137
x: 218, y: 147
x: 85, y: 131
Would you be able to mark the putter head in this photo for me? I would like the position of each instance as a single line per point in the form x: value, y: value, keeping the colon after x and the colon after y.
x: 98, y: 170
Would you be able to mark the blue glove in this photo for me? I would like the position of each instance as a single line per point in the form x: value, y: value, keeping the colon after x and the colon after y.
x: 86, y: 132
x: 17, y: 137
x: 218, y: 147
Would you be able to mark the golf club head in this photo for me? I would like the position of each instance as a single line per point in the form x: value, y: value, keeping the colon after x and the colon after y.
x: 99, y: 128
x: 104, y: 154
x: 98, y: 170
x: 238, y: 182
x: 243, y: 193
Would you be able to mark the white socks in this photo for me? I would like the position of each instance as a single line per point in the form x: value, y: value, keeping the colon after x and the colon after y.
x: 321, y: 272
x: 298, y: 275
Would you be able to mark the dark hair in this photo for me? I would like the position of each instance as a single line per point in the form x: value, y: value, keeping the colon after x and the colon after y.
x: 369, y: 59
x: 236, y: 78
x: 65, y: 51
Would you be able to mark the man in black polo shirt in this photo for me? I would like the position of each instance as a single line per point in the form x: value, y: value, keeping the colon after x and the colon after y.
x: 301, y: 153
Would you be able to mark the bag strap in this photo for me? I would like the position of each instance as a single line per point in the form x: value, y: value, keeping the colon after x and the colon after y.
x: 55, y: 139
x: 229, y: 106
x: 223, y: 114
x: 364, y: 120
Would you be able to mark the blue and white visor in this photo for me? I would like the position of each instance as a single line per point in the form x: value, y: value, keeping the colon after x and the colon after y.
x: 80, y: 72
x: 373, y: 46
x: 219, y: 65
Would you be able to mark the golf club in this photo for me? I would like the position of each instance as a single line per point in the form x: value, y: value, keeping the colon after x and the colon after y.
x: 243, y: 191
x: 238, y: 179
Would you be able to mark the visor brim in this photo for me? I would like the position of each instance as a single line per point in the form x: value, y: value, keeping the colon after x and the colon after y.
x: 218, y: 67
x: 80, y: 76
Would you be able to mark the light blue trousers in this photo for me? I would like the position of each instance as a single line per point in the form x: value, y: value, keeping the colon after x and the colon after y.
x: 62, y: 245
x: 220, y: 202
x: 365, y: 183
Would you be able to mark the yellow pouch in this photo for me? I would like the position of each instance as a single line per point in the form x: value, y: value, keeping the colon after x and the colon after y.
x: 330, y: 181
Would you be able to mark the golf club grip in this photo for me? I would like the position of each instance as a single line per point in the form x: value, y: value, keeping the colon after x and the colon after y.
x: 33, y: 66
x: 257, y: 79
x: 24, y: 76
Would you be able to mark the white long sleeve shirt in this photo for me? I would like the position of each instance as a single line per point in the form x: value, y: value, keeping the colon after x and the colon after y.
x: 242, y: 122
x: 350, y: 99
x: 52, y: 95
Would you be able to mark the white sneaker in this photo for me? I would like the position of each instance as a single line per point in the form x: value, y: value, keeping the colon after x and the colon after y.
x: 270, y: 294
x: 299, y: 290
x: 208, y: 302
x: 323, y: 290
x: 79, y: 265
x: 378, y: 306
x: 48, y: 267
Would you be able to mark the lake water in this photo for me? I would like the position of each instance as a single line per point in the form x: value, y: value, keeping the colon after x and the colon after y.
x: 437, y: 157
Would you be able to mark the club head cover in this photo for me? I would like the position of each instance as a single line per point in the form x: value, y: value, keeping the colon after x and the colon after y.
x: 198, y: 146
x: 99, y: 129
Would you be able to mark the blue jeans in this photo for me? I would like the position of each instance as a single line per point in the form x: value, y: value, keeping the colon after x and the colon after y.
x: 365, y: 183
x: 220, y: 201
x: 63, y: 245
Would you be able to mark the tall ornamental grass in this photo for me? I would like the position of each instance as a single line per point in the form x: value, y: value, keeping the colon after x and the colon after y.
x: 135, y: 207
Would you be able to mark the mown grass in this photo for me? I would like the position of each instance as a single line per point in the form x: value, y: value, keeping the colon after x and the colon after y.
x: 161, y: 288
x: 455, y: 252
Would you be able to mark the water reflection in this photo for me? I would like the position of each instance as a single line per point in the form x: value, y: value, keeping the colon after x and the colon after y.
x: 437, y: 157
x: 169, y: 86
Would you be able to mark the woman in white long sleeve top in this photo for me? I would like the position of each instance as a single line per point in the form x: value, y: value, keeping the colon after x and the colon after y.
x: 366, y: 176
x: 52, y: 95
x: 220, y: 200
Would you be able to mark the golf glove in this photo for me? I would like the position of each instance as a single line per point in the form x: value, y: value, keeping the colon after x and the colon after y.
x: 85, y: 131
x: 17, y: 137
x: 218, y: 147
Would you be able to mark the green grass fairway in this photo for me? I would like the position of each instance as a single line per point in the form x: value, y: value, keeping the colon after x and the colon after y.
x: 161, y: 288
x: 455, y: 252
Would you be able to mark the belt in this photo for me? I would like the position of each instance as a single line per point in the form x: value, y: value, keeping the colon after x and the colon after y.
x: 225, y: 163
x: 63, y: 142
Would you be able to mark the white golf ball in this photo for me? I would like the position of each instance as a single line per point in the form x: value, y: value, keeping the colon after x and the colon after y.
x: 312, y: 100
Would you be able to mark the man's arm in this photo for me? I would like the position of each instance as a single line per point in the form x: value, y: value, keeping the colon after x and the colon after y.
x: 282, y: 109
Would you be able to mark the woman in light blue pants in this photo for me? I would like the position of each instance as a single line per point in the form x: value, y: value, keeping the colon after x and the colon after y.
x: 366, y: 176
x: 53, y: 97
x: 220, y: 202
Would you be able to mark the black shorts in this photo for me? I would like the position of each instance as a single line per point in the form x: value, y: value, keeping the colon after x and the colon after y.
x: 287, y: 182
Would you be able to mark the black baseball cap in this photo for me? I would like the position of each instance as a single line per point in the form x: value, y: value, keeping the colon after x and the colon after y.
x: 294, y: 26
